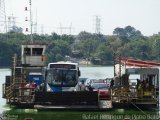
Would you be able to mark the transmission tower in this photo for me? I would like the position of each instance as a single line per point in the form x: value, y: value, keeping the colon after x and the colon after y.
x: 66, y: 30
x: 11, y: 22
x: 42, y: 29
x: 35, y: 24
x: 3, y: 24
x: 97, y: 24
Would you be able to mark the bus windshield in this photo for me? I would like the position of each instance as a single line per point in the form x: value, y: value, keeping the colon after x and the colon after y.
x: 61, y: 77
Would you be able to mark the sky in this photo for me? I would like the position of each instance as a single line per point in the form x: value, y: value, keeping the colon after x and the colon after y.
x: 51, y: 15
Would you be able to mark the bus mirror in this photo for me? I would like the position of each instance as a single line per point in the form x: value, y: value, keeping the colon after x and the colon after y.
x: 79, y: 73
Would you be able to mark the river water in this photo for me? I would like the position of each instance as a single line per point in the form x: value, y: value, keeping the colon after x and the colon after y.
x: 7, y: 113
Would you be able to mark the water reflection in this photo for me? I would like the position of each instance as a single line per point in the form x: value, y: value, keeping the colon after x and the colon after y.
x: 97, y: 72
x: 117, y: 114
x: 31, y: 114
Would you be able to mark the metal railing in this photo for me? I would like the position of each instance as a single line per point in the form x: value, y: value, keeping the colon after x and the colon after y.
x: 26, y: 94
x: 131, y: 93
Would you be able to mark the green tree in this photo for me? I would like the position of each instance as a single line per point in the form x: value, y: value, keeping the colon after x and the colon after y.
x: 59, y: 57
x: 127, y: 33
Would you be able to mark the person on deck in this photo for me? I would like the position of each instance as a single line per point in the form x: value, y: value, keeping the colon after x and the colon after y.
x: 27, y: 85
x: 138, y: 84
x: 112, y: 83
x: 33, y: 84
x: 82, y: 86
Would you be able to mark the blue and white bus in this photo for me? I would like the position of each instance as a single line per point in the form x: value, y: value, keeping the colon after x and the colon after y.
x: 62, y: 76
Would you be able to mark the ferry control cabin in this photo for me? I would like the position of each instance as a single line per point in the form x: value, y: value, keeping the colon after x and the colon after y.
x: 33, y: 55
x: 137, y: 86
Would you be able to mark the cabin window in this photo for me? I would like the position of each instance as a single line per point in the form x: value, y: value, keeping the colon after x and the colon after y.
x: 37, y: 51
x: 27, y: 51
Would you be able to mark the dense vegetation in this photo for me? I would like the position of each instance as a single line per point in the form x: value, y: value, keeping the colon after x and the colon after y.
x: 98, y: 48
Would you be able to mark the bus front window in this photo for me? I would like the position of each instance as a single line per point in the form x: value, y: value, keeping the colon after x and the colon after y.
x: 61, y: 77
x: 69, y: 77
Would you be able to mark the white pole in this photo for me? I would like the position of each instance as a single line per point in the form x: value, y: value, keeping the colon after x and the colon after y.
x: 31, y: 20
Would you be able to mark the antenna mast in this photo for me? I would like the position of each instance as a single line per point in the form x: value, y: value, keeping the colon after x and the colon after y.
x: 31, y: 24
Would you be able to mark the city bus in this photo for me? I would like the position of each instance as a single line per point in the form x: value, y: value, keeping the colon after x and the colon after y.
x: 62, y: 76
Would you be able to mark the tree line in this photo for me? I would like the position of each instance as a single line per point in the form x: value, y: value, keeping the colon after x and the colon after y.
x: 97, y: 48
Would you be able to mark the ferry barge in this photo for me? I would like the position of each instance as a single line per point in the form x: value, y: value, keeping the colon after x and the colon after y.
x: 32, y: 84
